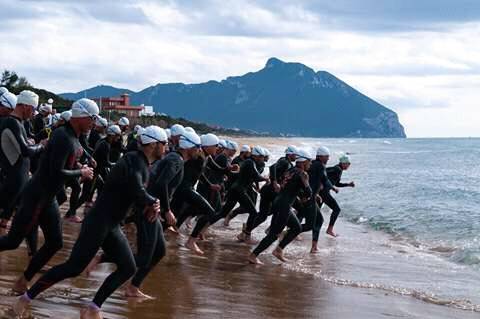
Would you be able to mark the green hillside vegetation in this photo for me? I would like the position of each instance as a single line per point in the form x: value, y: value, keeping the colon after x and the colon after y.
x: 15, y: 84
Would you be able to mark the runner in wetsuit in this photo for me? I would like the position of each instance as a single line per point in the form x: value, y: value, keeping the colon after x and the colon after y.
x: 216, y: 172
x: 120, y: 146
x: 101, y: 227
x: 186, y: 196
x: 334, y: 174
x: 165, y: 176
x: 269, y: 191
x: 101, y: 156
x: 7, y: 103
x: 15, y: 154
x: 238, y: 192
x: 310, y: 209
x: 38, y: 205
x: 176, y: 131
x: 98, y: 132
x: 295, y: 182
x: 323, y: 155
x: 134, y: 139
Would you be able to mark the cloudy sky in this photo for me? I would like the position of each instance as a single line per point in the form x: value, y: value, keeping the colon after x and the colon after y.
x: 419, y: 57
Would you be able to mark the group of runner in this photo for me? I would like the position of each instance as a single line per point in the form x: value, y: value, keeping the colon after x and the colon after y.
x: 152, y: 177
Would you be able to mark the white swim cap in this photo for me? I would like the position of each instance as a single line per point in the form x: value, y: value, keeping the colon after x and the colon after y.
x: 323, y: 151
x: 123, y: 121
x: 258, y: 151
x: 190, y: 140
x: 28, y: 98
x: 55, y: 118
x: 84, y: 108
x: 291, y: 150
x: 177, y: 130
x: 266, y: 152
x: 8, y: 100
x: 114, y: 130
x: 209, y: 139
x: 245, y: 148
x: 303, y: 155
x: 3, y: 90
x: 344, y: 159
x: 222, y: 143
x: 101, y: 121
x: 136, y: 128
x: 231, y: 145
x: 169, y: 133
x: 189, y: 129
x: 45, y: 108
x: 153, y: 134
x: 50, y: 101
x: 66, y: 115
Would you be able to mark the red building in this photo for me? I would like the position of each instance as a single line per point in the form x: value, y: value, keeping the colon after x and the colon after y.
x: 119, y: 104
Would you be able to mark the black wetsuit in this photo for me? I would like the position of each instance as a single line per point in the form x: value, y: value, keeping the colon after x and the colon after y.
x: 187, y: 201
x: 267, y: 192
x: 38, y: 132
x: 295, y: 183
x: 16, y: 174
x: 310, y: 210
x: 101, y: 229
x: 165, y: 176
x: 324, y: 186
x: 38, y: 205
x: 334, y: 174
x: 238, y: 193
x: 14, y: 139
x: 93, y: 138
x: 215, y: 172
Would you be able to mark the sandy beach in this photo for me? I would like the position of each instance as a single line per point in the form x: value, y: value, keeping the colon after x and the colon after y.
x: 222, y: 285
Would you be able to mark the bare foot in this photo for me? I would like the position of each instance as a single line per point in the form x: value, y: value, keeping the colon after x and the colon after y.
x: 90, y: 313
x: 241, y: 237
x: 192, y: 245
x: 93, y: 264
x: 314, y: 248
x: 226, y: 221
x: 20, y: 306
x: 73, y: 219
x: 250, y: 241
x: 3, y: 223
x: 87, y: 207
x: 173, y: 231
x: 133, y: 292
x: 254, y: 260
x: 21, y: 285
x: 331, y: 233
x: 278, y: 252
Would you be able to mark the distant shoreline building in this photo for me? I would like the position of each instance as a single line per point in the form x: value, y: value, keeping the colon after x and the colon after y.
x: 121, y: 105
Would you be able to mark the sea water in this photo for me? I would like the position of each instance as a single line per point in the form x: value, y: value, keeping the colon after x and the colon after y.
x: 412, y: 222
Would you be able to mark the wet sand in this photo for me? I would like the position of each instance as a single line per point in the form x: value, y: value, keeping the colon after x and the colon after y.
x: 219, y: 285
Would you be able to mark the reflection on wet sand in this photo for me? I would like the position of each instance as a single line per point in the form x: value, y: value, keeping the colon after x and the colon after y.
x: 219, y: 285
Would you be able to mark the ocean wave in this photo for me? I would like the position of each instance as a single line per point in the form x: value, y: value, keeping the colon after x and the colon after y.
x: 428, y: 297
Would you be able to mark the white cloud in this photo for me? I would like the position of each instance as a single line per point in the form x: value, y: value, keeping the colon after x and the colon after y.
x: 69, y: 46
